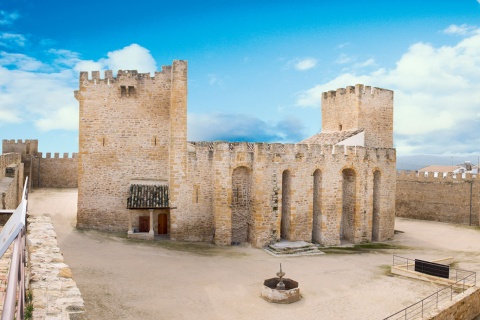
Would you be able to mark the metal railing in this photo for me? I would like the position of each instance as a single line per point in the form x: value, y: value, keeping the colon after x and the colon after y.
x: 14, y: 232
x: 463, y: 280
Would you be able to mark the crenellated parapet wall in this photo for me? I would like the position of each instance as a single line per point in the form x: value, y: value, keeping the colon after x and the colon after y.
x: 217, y: 163
x: 453, y: 198
x: 11, y: 181
x: 360, y: 107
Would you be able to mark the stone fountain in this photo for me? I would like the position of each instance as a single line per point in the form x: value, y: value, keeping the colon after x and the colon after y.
x: 280, y: 290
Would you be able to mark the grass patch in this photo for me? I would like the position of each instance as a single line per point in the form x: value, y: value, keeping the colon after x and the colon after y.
x: 199, y: 248
x: 363, y: 248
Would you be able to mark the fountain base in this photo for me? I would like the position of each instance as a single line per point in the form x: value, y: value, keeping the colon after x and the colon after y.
x: 272, y: 294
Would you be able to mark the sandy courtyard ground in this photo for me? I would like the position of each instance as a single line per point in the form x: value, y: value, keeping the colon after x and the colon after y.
x: 127, y: 279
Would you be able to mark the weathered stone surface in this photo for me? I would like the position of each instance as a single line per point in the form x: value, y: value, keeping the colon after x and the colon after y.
x: 449, y: 199
x: 55, y: 294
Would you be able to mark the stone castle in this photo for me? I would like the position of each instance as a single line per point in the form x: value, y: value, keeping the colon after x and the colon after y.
x: 138, y: 173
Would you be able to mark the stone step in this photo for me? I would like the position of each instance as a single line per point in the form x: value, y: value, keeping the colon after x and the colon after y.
x: 286, y: 248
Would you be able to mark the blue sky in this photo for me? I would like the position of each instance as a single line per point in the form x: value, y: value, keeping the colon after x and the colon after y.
x: 256, y: 68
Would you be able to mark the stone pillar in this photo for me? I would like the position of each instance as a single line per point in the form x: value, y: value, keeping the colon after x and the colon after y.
x: 130, y: 229
x: 151, y: 222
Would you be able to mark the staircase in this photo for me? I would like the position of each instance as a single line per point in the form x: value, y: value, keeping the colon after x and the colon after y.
x: 296, y: 248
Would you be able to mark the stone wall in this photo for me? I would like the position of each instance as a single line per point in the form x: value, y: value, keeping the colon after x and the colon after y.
x: 465, y: 306
x: 360, y: 107
x: 133, y: 129
x: 48, y: 172
x: 267, y: 164
x: 28, y: 150
x: 55, y: 172
x: 130, y: 127
x: 449, y: 199
x: 11, y: 181
x: 55, y: 293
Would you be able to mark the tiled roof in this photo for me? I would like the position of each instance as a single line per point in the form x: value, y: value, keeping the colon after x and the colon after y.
x: 332, y: 137
x: 144, y: 196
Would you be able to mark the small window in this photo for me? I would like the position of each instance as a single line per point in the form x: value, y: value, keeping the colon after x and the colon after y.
x: 339, y: 127
x: 131, y: 91
x: 123, y: 91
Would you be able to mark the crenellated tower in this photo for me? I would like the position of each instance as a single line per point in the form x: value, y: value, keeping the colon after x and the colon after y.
x: 131, y: 129
x: 360, y: 107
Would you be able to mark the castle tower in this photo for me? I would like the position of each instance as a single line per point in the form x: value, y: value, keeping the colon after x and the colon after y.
x: 360, y: 107
x: 29, y: 151
x: 132, y: 128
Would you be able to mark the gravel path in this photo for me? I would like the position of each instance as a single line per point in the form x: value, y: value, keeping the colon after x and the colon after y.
x: 127, y: 279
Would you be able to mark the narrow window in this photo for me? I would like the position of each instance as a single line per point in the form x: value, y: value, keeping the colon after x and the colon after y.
x: 131, y: 91
x: 339, y: 127
x: 103, y: 142
x: 123, y: 91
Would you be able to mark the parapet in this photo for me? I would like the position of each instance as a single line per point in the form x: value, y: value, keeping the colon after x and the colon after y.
x: 424, y: 176
x: 122, y: 75
x: 56, y: 155
x: 357, y: 91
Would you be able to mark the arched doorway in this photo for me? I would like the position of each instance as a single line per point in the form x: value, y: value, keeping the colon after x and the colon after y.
x: 242, y: 221
x: 347, y: 225
x: 377, y: 181
x: 285, y: 222
x: 317, y: 206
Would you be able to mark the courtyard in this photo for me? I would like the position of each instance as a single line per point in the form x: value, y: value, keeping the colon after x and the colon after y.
x: 128, y: 279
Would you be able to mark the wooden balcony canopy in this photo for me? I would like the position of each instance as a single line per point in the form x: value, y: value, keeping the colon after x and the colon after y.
x: 143, y: 196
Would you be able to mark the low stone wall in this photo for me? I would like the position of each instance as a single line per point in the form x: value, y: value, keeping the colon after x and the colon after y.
x: 55, y: 293
x: 55, y: 172
x: 465, y: 306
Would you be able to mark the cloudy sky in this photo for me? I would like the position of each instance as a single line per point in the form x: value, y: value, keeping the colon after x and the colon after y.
x: 256, y: 68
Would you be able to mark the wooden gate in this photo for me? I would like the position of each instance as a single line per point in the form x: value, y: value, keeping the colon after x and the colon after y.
x: 143, y: 224
x: 162, y: 223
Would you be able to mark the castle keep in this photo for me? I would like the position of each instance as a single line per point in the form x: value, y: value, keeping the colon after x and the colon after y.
x: 138, y: 173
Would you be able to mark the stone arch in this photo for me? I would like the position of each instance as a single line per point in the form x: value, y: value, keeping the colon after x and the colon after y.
x: 349, y: 197
x: 317, y: 206
x: 377, y: 184
x: 242, y: 219
x: 286, y: 202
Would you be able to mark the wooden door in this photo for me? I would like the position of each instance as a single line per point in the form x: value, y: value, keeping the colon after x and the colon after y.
x: 143, y: 224
x: 162, y: 223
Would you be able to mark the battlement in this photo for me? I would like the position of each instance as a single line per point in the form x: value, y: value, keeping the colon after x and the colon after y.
x: 295, y: 151
x: 24, y: 147
x: 433, y: 176
x: 19, y: 141
x: 125, y: 75
x: 56, y: 155
x: 358, y: 91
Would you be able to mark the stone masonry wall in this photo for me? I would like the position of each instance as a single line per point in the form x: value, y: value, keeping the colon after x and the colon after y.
x: 360, y: 107
x: 267, y: 162
x: 11, y: 180
x: 28, y: 150
x: 55, y: 293
x: 438, y: 199
x: 465, y: 306
x: 125, y: 134
x: 55, y: 172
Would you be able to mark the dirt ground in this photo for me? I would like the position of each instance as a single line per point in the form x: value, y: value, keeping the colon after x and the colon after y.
x: 129, y: 279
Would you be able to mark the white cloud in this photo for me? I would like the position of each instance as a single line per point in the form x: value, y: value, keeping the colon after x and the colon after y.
x: 42, y: 93
x: 459, y: 30
x: 306, y: 64
x: 213, y: 80
x: 436, y: 92
x: 8, y: 17
x: 9, y: 39
x: 132, y: 57
x: 20, y: 61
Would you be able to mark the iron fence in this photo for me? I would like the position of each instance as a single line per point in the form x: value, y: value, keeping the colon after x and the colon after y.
x: 463, y: 280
